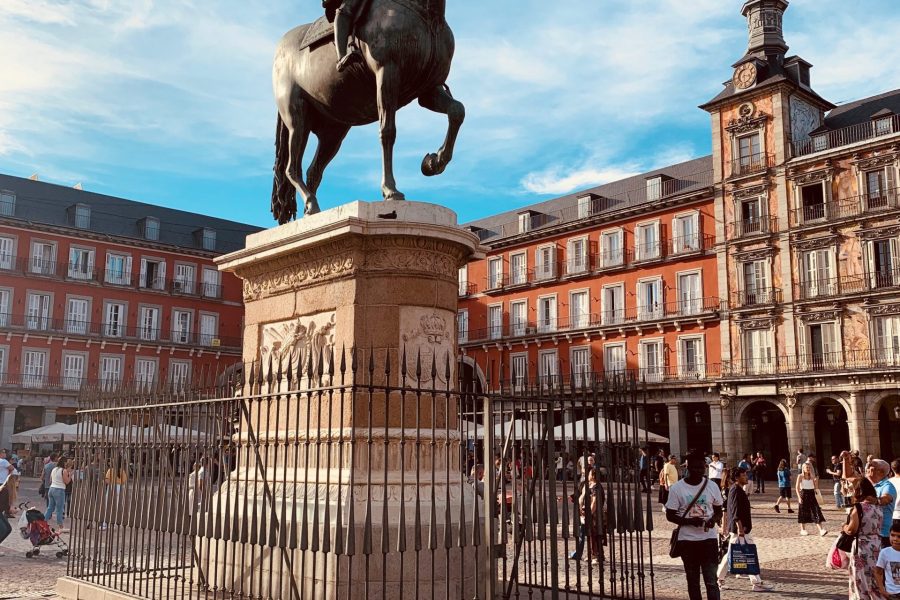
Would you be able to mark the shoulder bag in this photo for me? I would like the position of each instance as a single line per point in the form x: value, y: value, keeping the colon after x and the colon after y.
x: 674, y: 551
x: 845, y: 540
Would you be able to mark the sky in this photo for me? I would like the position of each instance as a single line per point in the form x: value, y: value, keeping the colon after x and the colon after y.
x: 170, y: 101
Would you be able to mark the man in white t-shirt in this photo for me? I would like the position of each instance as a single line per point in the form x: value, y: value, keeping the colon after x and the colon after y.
x: 698, y: 540
x: 716, y: 467
x: 887, y: 569
x: 6, y: 467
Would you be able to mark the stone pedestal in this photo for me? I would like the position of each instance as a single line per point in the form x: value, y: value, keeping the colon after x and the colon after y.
x: 382, y: 278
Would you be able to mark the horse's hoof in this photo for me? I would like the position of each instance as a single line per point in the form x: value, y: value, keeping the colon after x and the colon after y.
x: 312, y: 207
x: 394, y: 196
x: 430, y: 165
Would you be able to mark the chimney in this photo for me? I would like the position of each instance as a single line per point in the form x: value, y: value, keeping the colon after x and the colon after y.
x: 34, y: 177
x: 766, y: 32
x: 78, y: 186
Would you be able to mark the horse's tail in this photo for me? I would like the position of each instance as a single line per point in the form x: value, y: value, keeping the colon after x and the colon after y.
x: 284, y: 194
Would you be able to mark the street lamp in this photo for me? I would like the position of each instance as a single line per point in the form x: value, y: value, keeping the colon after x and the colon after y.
x: 657, y: 418
x: 698, y: 418
x: 765, y: 417
x: 897, y: 411
x: 829, y: 414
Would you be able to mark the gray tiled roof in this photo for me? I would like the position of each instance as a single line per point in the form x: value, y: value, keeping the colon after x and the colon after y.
x: 693, y: 175
x: 50, y: 204
x: 862, y: 111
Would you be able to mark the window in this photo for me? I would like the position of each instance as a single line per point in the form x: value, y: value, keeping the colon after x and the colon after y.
x: 545, y: 263
x: 212, y: 283
x: 614, y: 359
x: 584, y: 207
x: 748, y: 152
x: 649, y: 299
x: 756, y: 283
x: 646, y: 241
x: 7, y: 252
x: 820, y: 142
x: 579, y: 310
x: 887, y: 340
x: 818, y: 345
x: 495, y: 273
x: 812, y: 198
x: 81, y: 263
x: 34, y: 364
x: 179, y: 375
x: 463, y: 280
x: 181, y: 326
x: 73, y: 371
x: 2, y: 363
x: 546, y: 321
x: 144, y: 374
x: 110, y: 371
x: 690, y: 294
x: 691, y: 362
x: 818, y: 274
x: 38, y: 315
x: 151, y: 228
x: 751, y: 217
x: 758, y: 354
x: 153, y: 274
x: 518, y: 268
x: 462, y: 326
x: 876, y: 193
x: 183, y: 281
x: 118, y: 269
x: 686, y: 233
x: 209, y: 239
x: 77, y: 316
x: 651, y: 360
x: 4, y: 309
x: 495, y: 321
x: 42, y: 257
x: 518, y: 317
x: 883, y: 126
x: 581, y: 366
x: 114, y: 321
x: 518, y: 371
x: 82, y: 216
x: 613, y: 304
x: 524, y: 222
x: 209, y: 329
x: 548, y: 368
x: 7, y: 204
x: 884, y: 263
x: 611, y: 248
x: 577, y: 256
x: 654, y: 188
x: 149, y: 323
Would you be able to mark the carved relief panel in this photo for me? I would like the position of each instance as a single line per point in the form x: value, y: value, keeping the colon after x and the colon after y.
x: 429, y: 334
x: 295, y: 341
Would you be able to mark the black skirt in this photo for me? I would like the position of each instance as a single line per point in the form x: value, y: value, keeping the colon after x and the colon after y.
x: 809, y: 510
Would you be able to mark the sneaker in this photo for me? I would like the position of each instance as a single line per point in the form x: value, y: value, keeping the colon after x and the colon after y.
x: 721, y: 584
x: 595, y: 561
x: 574, y: 556
x: 804, y: 532
x: 777, y: 509
x: 823, y: 533
x: 762, y: 586
x: 790, y: 511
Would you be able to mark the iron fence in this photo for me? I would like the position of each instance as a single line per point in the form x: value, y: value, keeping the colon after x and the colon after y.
x: 360, y: 475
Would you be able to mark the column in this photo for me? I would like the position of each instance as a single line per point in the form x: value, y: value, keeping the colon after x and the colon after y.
x: 731, y: 432
x: 795, y: 428
x: 857, y: 425
x: 716, y: 425
x: 49, y: 416
x: 676, y: 430
x: 7, y: 421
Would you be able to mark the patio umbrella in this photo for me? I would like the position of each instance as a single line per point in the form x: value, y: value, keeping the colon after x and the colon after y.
x: 55, y: 432
x: 604, y: 430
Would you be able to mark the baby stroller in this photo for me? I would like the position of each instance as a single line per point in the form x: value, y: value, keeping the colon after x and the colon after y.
x: 35, y: 528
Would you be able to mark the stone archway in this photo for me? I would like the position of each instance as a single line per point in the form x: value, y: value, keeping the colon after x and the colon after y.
x: 889, y: 428
x: 831, y: 431
x: 765, y: 428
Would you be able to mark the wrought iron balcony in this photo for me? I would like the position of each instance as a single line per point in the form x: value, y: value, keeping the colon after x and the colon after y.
x: 762, y: 297
x: 845, y: 136
x: 754, y: 163
x: 753, y: 226
x: 847, y: 207
x: 815, y: 362
x: 829, y: 287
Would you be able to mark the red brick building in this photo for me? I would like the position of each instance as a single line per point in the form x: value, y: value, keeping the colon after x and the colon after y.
x: 100, y: 289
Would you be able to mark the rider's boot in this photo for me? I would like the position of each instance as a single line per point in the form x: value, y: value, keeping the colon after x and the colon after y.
x: 343, y: 22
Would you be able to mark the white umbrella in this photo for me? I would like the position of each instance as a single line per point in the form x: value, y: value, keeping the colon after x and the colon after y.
x: 521, y: 428
x: 173, y: 433
x: 56, y: 432
x: 471, y: 429
x: 604, y: 430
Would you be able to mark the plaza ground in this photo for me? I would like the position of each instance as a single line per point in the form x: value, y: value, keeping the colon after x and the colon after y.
x: 794, y: 564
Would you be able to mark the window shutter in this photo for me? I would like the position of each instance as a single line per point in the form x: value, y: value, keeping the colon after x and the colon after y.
x: 162, y: 274
x: 143, y: 279
x: 829, y: 345
x: 895, y: 261
x: 803, y: 347
x: 869, y: 248
x: 552, y: 267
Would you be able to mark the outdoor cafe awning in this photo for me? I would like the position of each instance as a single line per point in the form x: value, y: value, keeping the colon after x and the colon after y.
x: 48, y: 434
x: 604, y: 430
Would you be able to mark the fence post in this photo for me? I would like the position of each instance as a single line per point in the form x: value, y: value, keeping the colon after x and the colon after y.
x: 490, y: 501
x: 550, y: 450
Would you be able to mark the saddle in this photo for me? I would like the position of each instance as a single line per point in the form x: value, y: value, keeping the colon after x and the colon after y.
x: 321, y: 29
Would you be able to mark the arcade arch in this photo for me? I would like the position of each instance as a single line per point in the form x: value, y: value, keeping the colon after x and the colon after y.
x: 765, y: 429
x: 889, y: 427
x: 830, y: 429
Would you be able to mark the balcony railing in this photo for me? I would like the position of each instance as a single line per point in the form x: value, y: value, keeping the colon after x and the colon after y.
x: 547, y: 271
x: 830, y: 287
x: 113, y: 331
x: 845, y: 136
x: 42, y: 382
x: 815, y: 362
x: 689, y: 244
x: 467, y: 289
x: 587, y: 379
x: 762, y: 297
x: 754, y: 226
x: 754, y: 163
x: 630, y: 316
x: 849, y: 207
x: 885, y: 278
x: 574, y: 267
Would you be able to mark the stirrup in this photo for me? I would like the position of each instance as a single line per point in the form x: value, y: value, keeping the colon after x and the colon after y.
x: 351, y: 57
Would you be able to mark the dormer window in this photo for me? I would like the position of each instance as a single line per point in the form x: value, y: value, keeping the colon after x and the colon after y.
x: 209, y: 239
x: 151, y: 228
x: 883, y: 126
x: 654, y: 188
x: 820, y: 142
x: 524, y: 222
x: 584, y: 207
x: 82, y: 216
x: 7, y: 204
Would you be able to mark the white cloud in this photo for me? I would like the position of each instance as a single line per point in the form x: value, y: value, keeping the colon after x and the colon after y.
x: 558, y: 181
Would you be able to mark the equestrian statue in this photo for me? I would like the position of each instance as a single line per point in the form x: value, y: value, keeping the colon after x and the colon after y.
x: 358, y: 64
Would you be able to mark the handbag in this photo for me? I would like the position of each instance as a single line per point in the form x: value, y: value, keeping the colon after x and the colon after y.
x: 836, y: 559
x: 819, y: 498
x: 674, y: 552
x: 743, y: 558
x: 845, y: 540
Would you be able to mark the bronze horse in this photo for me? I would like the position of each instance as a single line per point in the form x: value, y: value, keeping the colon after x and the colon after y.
x: 407, y: 47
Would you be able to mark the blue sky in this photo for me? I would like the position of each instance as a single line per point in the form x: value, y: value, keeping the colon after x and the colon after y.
x: 170, y: 102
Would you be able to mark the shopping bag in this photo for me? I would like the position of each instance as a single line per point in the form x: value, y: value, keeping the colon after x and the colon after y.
x: 819, y: 498
x: 743, y: 559
x: 836, y: 559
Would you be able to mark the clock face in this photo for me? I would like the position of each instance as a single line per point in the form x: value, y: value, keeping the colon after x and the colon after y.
x: 744, y: 76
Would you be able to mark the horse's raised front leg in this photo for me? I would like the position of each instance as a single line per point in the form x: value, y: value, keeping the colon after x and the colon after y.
x: 441, y: 101
x: 387, y: 79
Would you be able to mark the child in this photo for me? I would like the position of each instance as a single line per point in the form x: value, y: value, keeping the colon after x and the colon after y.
x: 784, y: 486
x: 887, y: 569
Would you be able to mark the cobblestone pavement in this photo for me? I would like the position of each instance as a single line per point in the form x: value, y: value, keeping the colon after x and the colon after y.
x: 794, y: 564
